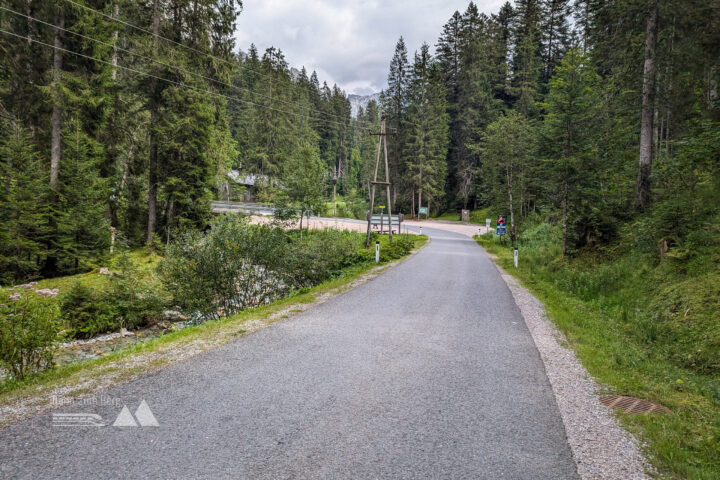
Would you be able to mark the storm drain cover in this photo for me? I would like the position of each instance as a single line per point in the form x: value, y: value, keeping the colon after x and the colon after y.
x: 632, y: 404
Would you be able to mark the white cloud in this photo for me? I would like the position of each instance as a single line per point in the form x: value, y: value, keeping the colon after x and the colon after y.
x: 347, y: 42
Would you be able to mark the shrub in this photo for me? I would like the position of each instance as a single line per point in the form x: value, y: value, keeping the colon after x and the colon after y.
x: 317, y: 257
x: 233, y: 266
x: 401, y: 246
x: 139, y: 303
x: 88, y: 312
x: 28, y: 331
x: 237, y: 265
x: 127, y: 302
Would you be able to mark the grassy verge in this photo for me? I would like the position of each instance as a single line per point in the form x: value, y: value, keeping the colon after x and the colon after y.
x: 71, y: 381
x: 143, y: 261
x: 615, y: 315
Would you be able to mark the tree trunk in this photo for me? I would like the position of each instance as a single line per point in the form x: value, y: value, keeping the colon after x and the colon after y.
x: 420, y: 196
x: 509, y: 179
x: 28, y: 12
x: 114, y: 58
x: 564, y: 216
x: 153, y: 161
x: 412, y: 203
x: 56, y: 135
x: 642, y: 196
x: 335, y: 197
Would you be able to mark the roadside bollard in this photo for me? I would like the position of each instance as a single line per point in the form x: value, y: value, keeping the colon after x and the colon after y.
x: 420, y: 230
x: 377, y: 252
x: 515, y: 257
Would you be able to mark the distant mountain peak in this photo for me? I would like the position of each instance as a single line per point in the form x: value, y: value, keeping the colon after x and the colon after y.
x: 357, y: 101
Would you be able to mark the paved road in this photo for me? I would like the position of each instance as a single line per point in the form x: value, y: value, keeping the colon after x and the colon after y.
x: 427, y: 371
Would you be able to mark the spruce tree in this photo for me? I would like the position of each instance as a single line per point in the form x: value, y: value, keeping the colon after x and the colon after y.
x: 428, y: 135
x: 24, y: 206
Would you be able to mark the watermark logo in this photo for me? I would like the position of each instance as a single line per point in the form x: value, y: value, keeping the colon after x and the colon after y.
x: 143, y: 414
x: 143, y: 418
x: 77, y: 420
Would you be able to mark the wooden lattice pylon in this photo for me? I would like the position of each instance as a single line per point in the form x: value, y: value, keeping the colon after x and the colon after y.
x: 382, y: 142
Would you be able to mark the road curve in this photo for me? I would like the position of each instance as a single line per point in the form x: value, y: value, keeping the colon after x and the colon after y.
x: 427, y: 371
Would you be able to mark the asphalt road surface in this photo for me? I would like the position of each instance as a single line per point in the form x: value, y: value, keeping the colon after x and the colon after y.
x: 427, y: 371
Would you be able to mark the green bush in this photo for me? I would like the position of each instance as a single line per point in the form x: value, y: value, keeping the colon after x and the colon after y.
x: 318, y: 256
x: 139, y: 303
x: 126, y: 302
x: 88, y: 312
x: 401, y: 246
x: 28, y: 331
x: 233, y: 266
x: 237, y: 265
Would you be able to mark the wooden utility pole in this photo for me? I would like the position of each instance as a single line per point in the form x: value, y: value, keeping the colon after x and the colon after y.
x: 382, y: 142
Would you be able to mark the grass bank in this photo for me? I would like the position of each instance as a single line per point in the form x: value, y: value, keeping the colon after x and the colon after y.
x: 642, y: 328
x: 35, y: 394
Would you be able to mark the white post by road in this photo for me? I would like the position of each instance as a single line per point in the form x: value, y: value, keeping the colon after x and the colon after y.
x: 487, y: 224
x: 377, y: 252
x: 515, y: 257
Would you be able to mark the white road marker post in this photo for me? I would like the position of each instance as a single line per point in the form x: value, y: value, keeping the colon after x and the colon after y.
x: 421, y: 230
x: 377, y: 252
x: 515, y: 257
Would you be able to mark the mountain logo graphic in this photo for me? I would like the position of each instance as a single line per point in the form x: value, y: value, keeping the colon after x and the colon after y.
x: 143, y: 414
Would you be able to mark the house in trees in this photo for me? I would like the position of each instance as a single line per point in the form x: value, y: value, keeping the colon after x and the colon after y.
x: 241, y: 187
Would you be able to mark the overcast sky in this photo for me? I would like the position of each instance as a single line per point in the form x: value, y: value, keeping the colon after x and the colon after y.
x: 348, y: 42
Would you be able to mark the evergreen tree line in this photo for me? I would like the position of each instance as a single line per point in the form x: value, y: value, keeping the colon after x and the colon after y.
x: 126, y: 116
x: 585, y: 111
x: 588, y: 112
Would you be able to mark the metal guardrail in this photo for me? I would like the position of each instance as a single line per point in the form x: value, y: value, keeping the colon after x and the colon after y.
x: 253, y: 208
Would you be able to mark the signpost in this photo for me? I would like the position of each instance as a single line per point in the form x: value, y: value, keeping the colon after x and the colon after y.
x: 501, y: 225
x: 381, y: 207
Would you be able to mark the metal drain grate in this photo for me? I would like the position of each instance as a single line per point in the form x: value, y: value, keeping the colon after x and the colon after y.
x: 632, y: 404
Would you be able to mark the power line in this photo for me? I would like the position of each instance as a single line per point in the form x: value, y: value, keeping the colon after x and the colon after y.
x: 128, y: 24
x: 192, y: 49
x: 173, y: 82
x: 145, y: 57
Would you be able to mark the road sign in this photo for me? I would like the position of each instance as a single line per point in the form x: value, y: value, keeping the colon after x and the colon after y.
x: 381, y: 207
x: 422, y: 210
x: 501, y: 225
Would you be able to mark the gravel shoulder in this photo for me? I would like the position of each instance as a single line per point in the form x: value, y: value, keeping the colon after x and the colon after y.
x: 601, y: 448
